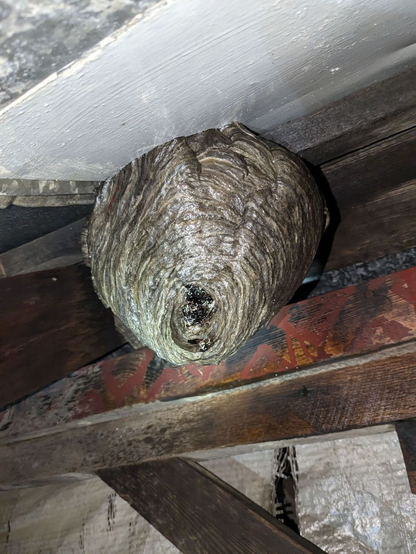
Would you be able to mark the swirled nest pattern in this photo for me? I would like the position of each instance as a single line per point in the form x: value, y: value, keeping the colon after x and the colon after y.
x: 198, y: 243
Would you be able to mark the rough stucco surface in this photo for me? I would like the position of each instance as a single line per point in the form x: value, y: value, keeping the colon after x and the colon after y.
x: 38, y: 38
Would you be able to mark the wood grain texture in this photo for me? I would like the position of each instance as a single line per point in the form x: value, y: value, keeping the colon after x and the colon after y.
x: 369, y: 173
x: 361, y: 118
x: 351, y: 321
x: 186, y: 66
x: 358, y: 392
x: 52, y: 323
x: 49, y: 201
x: 377, y: 228
x: 35, y: 187
x: 198, y: 512
x: 406, y: 431
x: 57, y: 249
x: 375, y: 191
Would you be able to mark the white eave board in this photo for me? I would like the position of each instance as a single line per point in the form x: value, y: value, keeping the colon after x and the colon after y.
x: 187, y: 65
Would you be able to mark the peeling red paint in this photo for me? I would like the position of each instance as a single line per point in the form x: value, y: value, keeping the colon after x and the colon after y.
x: 170, y: 375
x: 121, y: 389
x: 92, y: 403
x: 355, y: 320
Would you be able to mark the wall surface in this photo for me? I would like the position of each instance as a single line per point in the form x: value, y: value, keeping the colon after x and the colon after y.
x: 183, y: 66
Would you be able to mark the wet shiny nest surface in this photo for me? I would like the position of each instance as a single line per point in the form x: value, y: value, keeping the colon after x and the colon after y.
x: 199, y: 242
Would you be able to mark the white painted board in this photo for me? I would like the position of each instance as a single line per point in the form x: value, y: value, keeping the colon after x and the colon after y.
x: 187, y: 65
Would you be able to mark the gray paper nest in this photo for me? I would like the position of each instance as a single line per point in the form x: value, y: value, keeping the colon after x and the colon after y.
x: 198, y: 243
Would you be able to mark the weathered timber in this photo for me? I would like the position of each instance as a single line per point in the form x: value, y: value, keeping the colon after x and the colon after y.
x: 260, y: 63
x: 52, y: 323
x: 375, y: 191
x: 361, y: 391
x: 198, y: 512
x: 392, y: 228
x: 51, y: 201
x: 366, y: 116
x: 347, y: 322
x: 57, y: 249
x: 34, y: 187
x: 406, y: 431
x: 369, y: 173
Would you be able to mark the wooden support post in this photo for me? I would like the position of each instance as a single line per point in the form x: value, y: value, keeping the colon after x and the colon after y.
x: 406, y: 431
x: 52, y: 322
x: 198, y: 512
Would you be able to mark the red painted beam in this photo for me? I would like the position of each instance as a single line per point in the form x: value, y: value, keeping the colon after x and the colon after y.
x: 351, y: 321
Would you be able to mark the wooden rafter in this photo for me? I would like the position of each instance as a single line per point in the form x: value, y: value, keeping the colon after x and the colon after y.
x: 57, y: 249
x: 406, y: 431
x: 329, y: 328
x: 198, y: 512
x: 51, y: 322
x: 361, y: 391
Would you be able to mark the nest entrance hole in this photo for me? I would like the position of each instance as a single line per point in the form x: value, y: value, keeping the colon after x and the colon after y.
x: 197, y: 313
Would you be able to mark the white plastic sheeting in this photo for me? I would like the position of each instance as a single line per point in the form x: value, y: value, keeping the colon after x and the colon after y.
x: 87, y: 517
x: 354, y: 496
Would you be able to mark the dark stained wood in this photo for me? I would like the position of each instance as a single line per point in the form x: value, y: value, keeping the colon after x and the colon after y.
x: 198, y: 512
x: 406, y: 431
x: 377, y: 228
x: 375, y: 190
x: 58, y: 249
x: 365, y: 145
x: 366, y: 116
x: 372, y: 172
x: 346, y: 322
x: 363, y: 391
x: 51, y: 323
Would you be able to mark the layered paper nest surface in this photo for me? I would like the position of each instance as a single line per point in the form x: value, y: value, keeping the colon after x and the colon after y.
x: 198, y: 243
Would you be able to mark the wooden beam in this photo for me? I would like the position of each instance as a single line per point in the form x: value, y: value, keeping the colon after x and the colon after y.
x: 375, y: 193
x: 362, y: 391
x: 57, y: 249
x: 34, y: 192
x: 357, y: 120
x: 362, y: 176
x: 52, y: 323
x: 182, y: 67
x: 406, y: 431
x: 351, y: 321
x: 35, y: 187
x: 47, y: 201
x: 198, y: 512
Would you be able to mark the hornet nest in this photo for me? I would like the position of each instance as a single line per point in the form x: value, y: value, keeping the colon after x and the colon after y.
x: 199, y: 242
